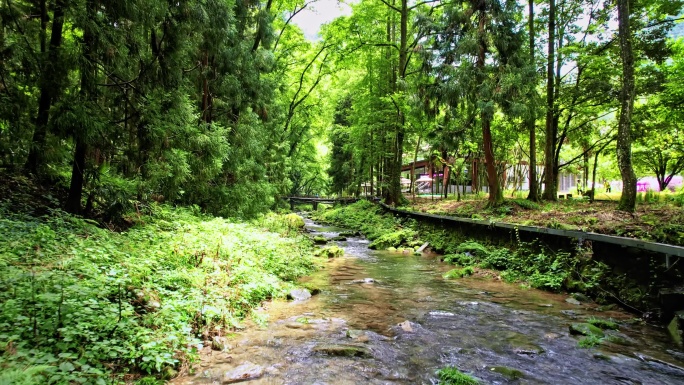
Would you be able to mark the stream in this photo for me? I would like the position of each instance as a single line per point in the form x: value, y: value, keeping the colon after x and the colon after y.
x: 390, y: 318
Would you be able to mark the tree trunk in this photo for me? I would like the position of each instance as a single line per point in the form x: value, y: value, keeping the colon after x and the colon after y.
x: 550, y: 179
x: 88, y: 95
x: 532, y: 119
x: 48, y: 88
x: 495, y: 193
x: 412, y: 187
x: 624, y: 139
x: 394, y: 194
x: 593, y: 177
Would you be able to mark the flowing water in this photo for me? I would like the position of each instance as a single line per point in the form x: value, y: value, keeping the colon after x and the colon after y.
x: 390, y: 318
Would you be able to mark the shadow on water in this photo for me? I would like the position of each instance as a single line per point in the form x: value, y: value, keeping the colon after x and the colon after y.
x: 390, y: 318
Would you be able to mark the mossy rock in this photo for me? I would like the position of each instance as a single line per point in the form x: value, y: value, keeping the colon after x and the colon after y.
x: 294, y: 221
x: 458, y: 273
x: 586, y: 329
x: 338, y: 238
x: 329, y: 252
x: 603, y: 324
x: 676, y: 328
x: 509, y: 373
x: 320, y: 240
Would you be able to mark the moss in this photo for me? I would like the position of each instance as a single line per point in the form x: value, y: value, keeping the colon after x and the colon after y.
x: 603, y: 323
x: 294, y: 221
x: 452, y: 376
x: 392, y: 239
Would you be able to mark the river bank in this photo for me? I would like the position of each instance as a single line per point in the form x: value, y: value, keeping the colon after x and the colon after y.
x: 83, y: 304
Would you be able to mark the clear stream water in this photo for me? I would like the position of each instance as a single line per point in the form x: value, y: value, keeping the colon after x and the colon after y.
x: 407, y: 322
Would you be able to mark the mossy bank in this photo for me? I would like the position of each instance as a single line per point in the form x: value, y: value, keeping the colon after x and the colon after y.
x: 82, y: 304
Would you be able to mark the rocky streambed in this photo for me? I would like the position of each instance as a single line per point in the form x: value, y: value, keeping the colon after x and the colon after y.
x: 390, y: 318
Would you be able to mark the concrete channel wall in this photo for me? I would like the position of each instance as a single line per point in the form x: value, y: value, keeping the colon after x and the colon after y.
x: 667, y: 251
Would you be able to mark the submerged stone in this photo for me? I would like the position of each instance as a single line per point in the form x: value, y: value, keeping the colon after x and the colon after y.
x: 509, y: 373
x: 246, y: 371
x: 343, y: 350
x: 572, y: 301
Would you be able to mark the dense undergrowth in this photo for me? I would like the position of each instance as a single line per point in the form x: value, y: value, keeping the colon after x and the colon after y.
x: 528, y: 262
x: 82, y: 304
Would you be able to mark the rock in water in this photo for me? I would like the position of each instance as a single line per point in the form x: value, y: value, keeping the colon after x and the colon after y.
x: 246, y: 371
x: 572, y: 301
x: 299, y: 294
x: 406, y: 326
x: 219, y: 343
x: 580, y: 297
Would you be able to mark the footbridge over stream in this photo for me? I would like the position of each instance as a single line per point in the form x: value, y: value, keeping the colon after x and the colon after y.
x: 316, y: 200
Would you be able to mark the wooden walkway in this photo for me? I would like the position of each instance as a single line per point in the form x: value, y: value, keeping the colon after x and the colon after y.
x: 316, y: 200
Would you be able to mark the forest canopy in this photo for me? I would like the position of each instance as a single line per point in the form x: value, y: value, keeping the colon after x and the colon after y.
x: 228, y: 106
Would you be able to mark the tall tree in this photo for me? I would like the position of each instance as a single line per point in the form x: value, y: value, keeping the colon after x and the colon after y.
x: 532, y: 113
x: 624, y: 136
x: 481, y: 63
x: 550, y: 182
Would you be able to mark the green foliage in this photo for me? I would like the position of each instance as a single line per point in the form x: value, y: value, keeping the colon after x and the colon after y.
x: 393, y: 239
x: 452, y: 376
x: 589, y: 341
x: 80, y: 303
x: 363, y: 216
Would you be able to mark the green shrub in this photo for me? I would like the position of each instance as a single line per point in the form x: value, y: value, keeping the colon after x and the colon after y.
x: 393, y: 239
